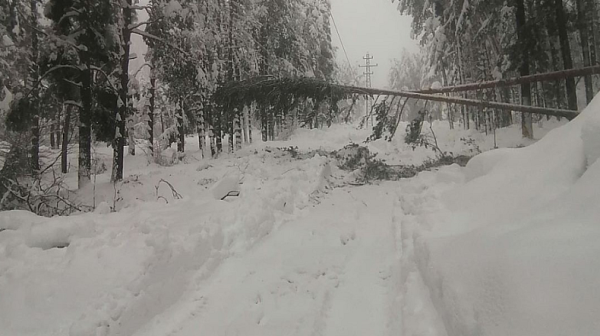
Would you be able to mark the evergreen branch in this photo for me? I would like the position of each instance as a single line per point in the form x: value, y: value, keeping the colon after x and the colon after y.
x: 46, y: 74
x: 95, y: 68
x: 68, y: 15
x: 56, y: 37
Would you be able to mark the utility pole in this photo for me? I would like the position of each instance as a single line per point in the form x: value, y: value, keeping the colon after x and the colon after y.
x: 368, y: 74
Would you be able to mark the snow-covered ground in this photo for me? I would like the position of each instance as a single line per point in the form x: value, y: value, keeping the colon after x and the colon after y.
x: 505, y: 246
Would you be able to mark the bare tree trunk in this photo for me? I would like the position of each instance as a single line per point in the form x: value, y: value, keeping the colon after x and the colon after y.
x: 561, y: 24
x: 238, y: 131
x: 250, y: 126
x: 264, y: 124
x: 271, y: 122
x: 593, y: 32
x: 151, y: 111
x: 34, y: 76
x: 52, y: 133
x: 85, y: 123
x: 162, y: 121
x: 131, y: 135
x: 230, y: 128
x: 218, y: 127
x: 463, y: 110
x: 556, y: 85
x: 211, y: 130
x: 57, y: 122
x: 448, y: 106
x: 245, y: 127
x: 180, y: 129
x: 65, y: 140
x: 119, y: 141
x: 526, y: 120
x: 201, y: 128
x: 585, y: 48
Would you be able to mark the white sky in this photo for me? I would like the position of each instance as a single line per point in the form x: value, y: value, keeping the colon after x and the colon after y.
x: 373, y: 26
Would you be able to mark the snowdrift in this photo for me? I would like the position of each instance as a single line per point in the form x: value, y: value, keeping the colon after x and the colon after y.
x: 510, y: 245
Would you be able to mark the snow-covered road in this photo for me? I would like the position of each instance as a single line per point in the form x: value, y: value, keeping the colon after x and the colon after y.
x: 335, y: 271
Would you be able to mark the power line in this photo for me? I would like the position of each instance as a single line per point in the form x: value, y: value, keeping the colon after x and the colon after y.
x: 340, y: 37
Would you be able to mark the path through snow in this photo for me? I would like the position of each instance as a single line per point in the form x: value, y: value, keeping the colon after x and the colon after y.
x: 335, y: 271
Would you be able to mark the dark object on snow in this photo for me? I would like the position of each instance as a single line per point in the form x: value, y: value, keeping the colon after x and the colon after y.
x: 231, y: 194
x: 413, y: 130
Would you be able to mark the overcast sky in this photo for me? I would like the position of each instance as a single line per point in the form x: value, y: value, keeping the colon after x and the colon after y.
x: 373, y: 26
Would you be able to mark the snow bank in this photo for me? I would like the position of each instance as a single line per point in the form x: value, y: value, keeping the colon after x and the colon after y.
x: 514, y: 250
x: 111, y: 273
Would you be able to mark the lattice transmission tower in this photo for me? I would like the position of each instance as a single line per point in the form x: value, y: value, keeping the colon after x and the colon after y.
x: 368, y: 58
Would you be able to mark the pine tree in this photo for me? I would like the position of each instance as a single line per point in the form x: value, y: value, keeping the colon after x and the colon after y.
x: 86, y: 26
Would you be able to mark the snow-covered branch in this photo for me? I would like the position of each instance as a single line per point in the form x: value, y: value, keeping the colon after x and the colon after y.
x: 100, y: 71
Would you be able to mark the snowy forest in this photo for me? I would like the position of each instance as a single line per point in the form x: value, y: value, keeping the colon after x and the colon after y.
x: 66, y: 77
x: 222, y: 167
x: 475, y: 41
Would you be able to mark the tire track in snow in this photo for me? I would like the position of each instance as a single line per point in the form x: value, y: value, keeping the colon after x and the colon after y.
x: 419, y: 314
x: 362, y: 305
x: 331, y: 272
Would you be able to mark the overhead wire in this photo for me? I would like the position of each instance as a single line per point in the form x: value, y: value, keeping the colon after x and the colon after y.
x: 341, y: 41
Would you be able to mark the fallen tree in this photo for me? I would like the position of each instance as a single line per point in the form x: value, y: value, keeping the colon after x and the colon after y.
x: 287, y: 92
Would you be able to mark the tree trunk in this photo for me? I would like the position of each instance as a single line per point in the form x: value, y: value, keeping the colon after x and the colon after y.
x: 264, y: 124
x: 463, y: 109
x: 180, y: 129
x: 52, y: 133
x: 526, y: 120
x: 162, y: 121
x: 244, y: 121
x: 594, y: 32
x: 211, y: 130
x: 85, y: 122
x: 249, y: 119
x: 34, y: 69
x: 119, y: 140
x: 57, y: 122
x: 218, y: 120
x: 201, y: 129
x: 448, y: 106
x: 585, y: 48
x: 230, y: 128
x: 151, y: 111
x: 131, y: 135
x: 561, y: 24
x: 238, y: 131
x: 64, y: 163
x: 556, y: 85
